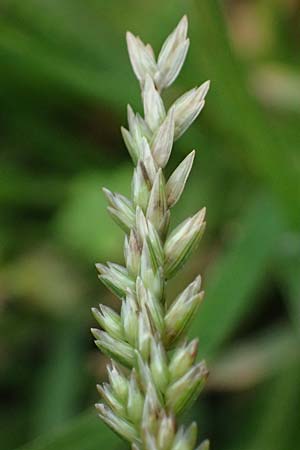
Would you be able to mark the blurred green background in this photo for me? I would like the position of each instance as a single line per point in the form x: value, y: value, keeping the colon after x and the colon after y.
x: 65, y: 80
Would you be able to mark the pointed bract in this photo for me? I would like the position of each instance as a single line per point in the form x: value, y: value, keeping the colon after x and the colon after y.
x: 107, y: 395
x: 135, y: 401
x: 178, y: 35
x: 132, y: 253
x: 188, y: 107
x: 116, y: 278
x: 119, y: 218
x: 114, y: 348
x: 163, y: 141
x: 153, y: 105
x: 147, y: 382
x: 141, y: 57
x: 204, y: 446
x: 172, y: 55
x: 177, y: 180
x: 129, y: 318
x: 149, y: 440
x: 155, y: 246
x: 150, y: 412
x: 148, y: 161
x: 144, y: 333
x: 118, y: 382
x: 158, y: 365
x: 120, y: 426
x: 183, y: 359
x: 182, y: 242
x: 157, y: 206
x: 185, y: 439
x: 109, y: 320
x: 133, y: 138
x: 168, y: 72
x: 148, y: 300
x: 141, y: 186
x: 135, y: 447
x: 184, y: 391
x: 179, y: 317
x: 166, y: 432
x: 130, y: 145
x: 121, y: 209
x: 120, y: 203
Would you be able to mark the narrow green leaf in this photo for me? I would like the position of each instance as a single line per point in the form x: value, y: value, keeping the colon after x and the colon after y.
x: 250, y: 362
x: 55, y: 401
x: 237, y: 275
x: 85, y: 432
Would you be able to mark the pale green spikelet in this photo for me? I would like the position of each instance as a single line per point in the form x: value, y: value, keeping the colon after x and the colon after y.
x: 148, y: 337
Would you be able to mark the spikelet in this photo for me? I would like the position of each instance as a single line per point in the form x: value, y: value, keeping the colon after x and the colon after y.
x: 148, y: 336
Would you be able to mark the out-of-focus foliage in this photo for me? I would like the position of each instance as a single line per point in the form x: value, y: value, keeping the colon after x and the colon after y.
x: 65, y: 80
